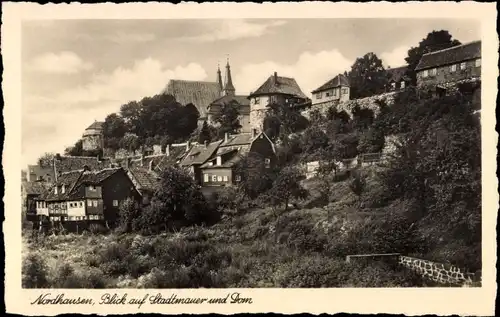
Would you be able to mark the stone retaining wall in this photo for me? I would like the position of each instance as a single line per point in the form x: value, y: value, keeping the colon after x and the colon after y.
x: 438, y: 272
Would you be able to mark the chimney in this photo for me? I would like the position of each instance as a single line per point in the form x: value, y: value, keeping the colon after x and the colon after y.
x: 275, y: 78
x: 188, y: 145
x: 254, y: 133
x: 226, y: 137
x: 167, y: 150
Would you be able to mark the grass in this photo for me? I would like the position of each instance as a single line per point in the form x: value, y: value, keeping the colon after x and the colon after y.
x: 304, y: 247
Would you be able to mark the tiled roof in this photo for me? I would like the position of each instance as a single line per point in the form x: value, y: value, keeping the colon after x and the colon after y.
x: 279, y: 85
x: 397, y: 74
x: 200, y: 153
x: 450, y: 55
x: 145, y: 179
x: 97, y: 125
x: 199, y: 93
x: 75, y: 179
x: 35, y: 188
x: 233, y: 156
x: 72, y: 163
x: 241, y: 100
x: 338, y: 81
x: 238, y: 139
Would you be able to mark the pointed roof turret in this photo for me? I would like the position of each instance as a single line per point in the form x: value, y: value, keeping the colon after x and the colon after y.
x: 228, y: 85
x: 219, y: 78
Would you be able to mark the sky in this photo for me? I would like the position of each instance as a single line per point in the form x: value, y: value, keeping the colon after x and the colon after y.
x: 77, y: 71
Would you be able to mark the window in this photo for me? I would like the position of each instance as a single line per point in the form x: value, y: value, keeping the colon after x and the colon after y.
x: 63, y: 189
x: 462, y: 66
x: 478, y: 62
x: 344, y: 91
x: 55, y: 190
x: 327, y: 94
x: 219, y: 178
x: 335, y: 92
x: 115, y: 203
x: 318, y: 95
x: 393, y: 86
x: 237, y: 178
x: 206, y: 178
x: 433, y: 72
x: 92, y: 188
x: 267, y: 161
x: 219, y: 160
x: 214, y: 178
x: 89, y: 203
x: 425, y: 73
x: 80, y: 204
x: 402, y: 85
x: 91, y: 217
x: 225, y: 178
x: 453, y: 68
x: 257, y: 100
x: 94, y: 203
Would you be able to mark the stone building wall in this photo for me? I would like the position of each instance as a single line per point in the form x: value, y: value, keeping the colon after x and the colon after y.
x: 92, y: 142
x: 257, y: 119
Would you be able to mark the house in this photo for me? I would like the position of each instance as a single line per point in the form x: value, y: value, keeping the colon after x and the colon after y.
x: 93, y: 137
x: 86, y: 195
x: 450, y: 67
x: 197, y: 156
x: 30, y: 192
x: 397, y: 78
x: 220, y: 169
x: 336, y: 89
x: 276, y: 89
x: 207, y: 96
x: 40, y: 173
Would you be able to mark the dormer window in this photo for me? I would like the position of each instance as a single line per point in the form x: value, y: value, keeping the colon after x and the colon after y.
x: 55, y: 190
x: 318, y: 95
x: 257, y: 100
x: 219, y: 160
x: 63, y: 189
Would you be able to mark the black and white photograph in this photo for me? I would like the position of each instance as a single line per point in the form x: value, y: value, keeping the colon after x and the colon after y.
x: 252, y: 153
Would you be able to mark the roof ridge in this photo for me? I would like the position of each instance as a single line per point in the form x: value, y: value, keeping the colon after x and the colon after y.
x: 453, y: 47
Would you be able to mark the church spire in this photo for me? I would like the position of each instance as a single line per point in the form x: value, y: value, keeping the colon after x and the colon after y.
x: 228, y: 85
x: 219, y: 79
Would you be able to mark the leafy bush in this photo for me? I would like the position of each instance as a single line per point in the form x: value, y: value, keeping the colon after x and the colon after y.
x: 34, y: 272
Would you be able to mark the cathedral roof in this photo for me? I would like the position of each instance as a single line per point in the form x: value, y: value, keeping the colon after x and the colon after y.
x: 199, y: 93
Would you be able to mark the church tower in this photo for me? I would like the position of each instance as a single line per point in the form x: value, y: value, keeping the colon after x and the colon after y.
x: 228, y: 85
x: 219, y: 81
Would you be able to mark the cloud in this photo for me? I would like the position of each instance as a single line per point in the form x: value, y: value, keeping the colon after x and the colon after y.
x: 234, y: 30
x: 396, y: 57
x: 65, y: 62
x: 310, y: 71
x: 71, y: 111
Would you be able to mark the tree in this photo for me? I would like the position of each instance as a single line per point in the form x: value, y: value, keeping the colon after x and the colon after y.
x: 129, y: 212
x: 130, y: 142
x: 367, y: 76
x: 286, y: 187
x: 362, y: 117
x: 204, y: 135
x: 271, y: 126
x: 228, y: 118
x: 75, y: 150
x: 434, y: 41
x: 114, y: 128
x: 371, y: 141
x: 188, y: 119
x: 291, y: 121
x: 255, y: 177
x: 314, y: 139
x: 46, y: 160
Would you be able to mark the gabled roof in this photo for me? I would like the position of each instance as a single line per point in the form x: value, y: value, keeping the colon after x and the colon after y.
x: 200, y: 153
x: 241, y: 100
x: 397, y: 74
x: 238, y: 139
x: 279, y: 85
x: 73, y: 180
x: 338, y: 81
x: 452, y: 55
x: 35, y: 188
x: 97, y: 125
x: 72, y: 163
x: 144, y: 179
x: 199, y: 93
